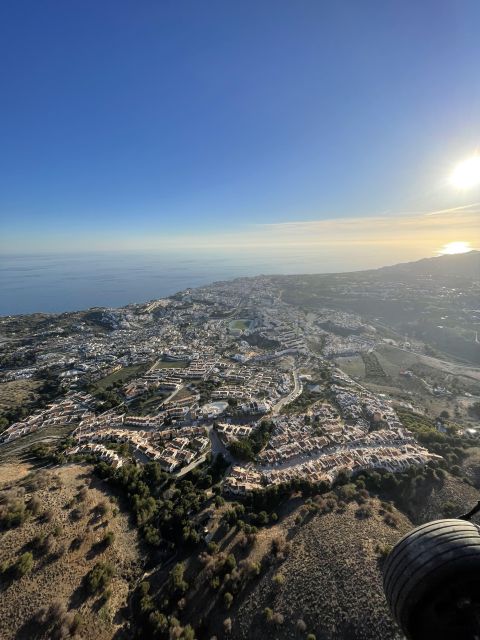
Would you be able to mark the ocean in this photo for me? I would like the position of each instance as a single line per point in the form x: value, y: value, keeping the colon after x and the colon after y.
x: 56, y: 283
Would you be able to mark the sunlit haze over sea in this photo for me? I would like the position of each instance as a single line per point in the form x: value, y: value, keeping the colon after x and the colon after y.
x: 54, y: 283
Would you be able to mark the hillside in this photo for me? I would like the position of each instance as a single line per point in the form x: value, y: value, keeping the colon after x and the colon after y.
x: 60, y: 535
x: 332, y: 582
x: 463, y: 265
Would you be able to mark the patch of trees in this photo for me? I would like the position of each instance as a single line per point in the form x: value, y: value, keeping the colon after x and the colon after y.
x: 109, y: 397
x: 205, y: 388
x: 448, y: 445
x: 162, y: 506
x: 50, y: 453
x: 405, y: 489
x: 156, y: 623
x: 248, y: 448
x: 306, y: 398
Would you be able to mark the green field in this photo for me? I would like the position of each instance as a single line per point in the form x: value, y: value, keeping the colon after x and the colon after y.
x: 148, y: 403
x: 351, y: 365
x: 120, y: 377
x: 239, y: 325
x: 373, y: 368
x: 174, y: 364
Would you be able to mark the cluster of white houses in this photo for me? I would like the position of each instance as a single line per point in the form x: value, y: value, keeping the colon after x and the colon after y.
x: 99, y: 450
x: 69, y: 410
x: 317, y: 445
x: 243, y: 480
x: 173, y: 448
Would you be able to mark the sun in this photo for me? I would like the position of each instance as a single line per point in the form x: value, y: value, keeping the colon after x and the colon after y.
x: 452, y: 248
x: 467, y: 173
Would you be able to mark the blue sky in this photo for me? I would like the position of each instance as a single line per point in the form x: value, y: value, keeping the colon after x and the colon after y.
x: 140, y: 124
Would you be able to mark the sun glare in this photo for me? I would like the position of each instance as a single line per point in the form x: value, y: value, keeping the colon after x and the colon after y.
x: 452, y: 248
x: 466, y: 174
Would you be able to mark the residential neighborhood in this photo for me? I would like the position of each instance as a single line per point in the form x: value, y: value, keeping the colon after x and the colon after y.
x: 184, y: 377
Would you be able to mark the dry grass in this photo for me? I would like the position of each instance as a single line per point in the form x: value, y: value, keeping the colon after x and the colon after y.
x: 461, y: 497
x: 18, y: 393
x: 332, y: 581
x: 12, y: 472
x: 66, y: 546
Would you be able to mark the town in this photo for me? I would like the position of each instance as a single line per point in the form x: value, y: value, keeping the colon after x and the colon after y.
x: 180, y: 378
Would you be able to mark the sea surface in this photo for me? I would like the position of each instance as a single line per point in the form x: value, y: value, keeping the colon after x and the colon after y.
x: 56, y: 283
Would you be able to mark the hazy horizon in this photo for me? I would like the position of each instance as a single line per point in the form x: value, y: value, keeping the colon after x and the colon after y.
x: 60, y: 282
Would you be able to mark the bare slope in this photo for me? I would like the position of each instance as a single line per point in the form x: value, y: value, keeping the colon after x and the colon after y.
x: 66, y: 539
x: 332, y: 582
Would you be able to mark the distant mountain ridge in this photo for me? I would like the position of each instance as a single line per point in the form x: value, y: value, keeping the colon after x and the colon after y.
x: 466, y: 265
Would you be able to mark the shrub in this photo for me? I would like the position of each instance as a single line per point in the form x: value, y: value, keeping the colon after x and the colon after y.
x: 79, y: 512
x: 158, y: 622
x: 449, y: 509
x: 76, y: 624
x: 102, y: 508
x: 82, y: 494
x: 48, y: 545
x: 364, y: 512
x: 251, y: 568
x: 57, y: 611
x: 215, y: 582
x: 301, y: 626
x: 230, y: 562
x: 341, y: 506
x: 48, y: 515
x: 35, y: 505
x: 24, y: 564
x: 4, y: 567
x: 391, y: 520
x: 99, y: 577
x: 347, y: 492
x: 227, y: 625
x: 109, y: 538
x: 268, y: 613
x: 177, y: 578
x: 227, y: 599
x: 383, y: 549
x: 311, y: 636
x: 212, y: 547
x: 262, y: 518
x: 188, y: 633
x: 278, y: 544
x: 278, y: 618
x: 12, y: 514
x: 278, y: 579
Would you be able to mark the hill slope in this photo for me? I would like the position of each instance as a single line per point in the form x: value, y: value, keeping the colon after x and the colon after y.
x: 463, y: 265
x: 332, y: 582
